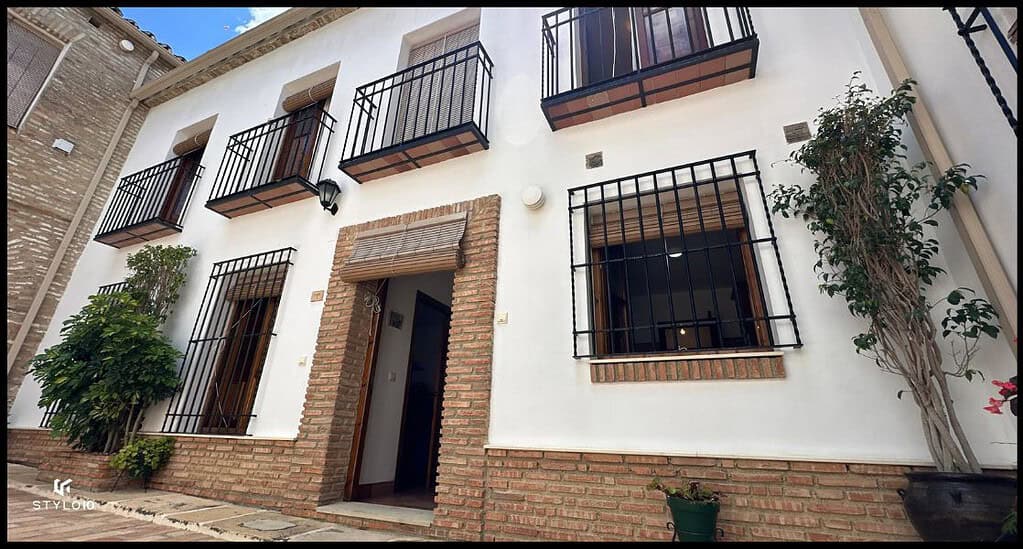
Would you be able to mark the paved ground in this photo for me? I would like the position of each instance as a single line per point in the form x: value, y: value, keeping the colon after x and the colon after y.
x: 154, y: 515
x: 24, y: 523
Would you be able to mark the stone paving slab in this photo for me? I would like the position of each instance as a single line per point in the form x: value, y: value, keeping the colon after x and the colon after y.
x: 155, y: 515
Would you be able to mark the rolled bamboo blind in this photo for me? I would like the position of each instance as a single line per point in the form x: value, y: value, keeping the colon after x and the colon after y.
x: 419, y: 247
x: 265, y: 281
x: 308, y: 96
x: 192, y: 143
x: 628, y: 221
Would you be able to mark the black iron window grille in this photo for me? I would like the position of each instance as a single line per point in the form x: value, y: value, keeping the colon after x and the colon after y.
x: 103, y: 290
x: 966, y: 29
x: 440, y: 98
x: 589, y: 46
x: 225, y: 355
x: 151, y: 203
x: 680, y: 259
x: 274, y: 163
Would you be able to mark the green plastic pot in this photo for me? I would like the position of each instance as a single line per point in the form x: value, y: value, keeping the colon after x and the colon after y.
x: 694, y: 520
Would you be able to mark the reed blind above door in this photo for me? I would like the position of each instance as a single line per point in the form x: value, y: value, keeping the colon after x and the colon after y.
x: 309, y: 96
x: 419, y: 247
x: 29, y: 60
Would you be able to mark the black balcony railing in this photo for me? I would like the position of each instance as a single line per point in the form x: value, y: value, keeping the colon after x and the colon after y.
x: 151, y: 203
x: 966, y: 29
x: 437, y: 100
x: 274, y: 163
x: 597, y: 62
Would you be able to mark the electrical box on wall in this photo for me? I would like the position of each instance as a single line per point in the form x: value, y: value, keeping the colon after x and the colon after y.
x: 63, y: 145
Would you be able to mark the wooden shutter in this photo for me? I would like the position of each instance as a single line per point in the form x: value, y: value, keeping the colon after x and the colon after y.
x: 426, y: 98
x: 29, y: 60
x: 670, y: 33
x: 309, y: 96
x: 265, y: 281
x: 197, y: 141
x: 419, y: 247
x: 626, y: 219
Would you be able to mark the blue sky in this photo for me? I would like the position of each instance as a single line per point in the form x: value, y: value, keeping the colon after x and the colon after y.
x: 194, y: 31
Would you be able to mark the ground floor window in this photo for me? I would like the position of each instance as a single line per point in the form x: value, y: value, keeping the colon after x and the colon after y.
x: 670, y: 261
x: 224, y: 359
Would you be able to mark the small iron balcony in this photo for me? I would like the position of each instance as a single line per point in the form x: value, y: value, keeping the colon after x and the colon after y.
x: 427, y: 113
x: 150, y: 204
x: 598, y: 62
x: 272, y: 164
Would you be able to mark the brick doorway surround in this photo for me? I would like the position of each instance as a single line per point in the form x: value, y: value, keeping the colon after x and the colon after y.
x: 328, y: 420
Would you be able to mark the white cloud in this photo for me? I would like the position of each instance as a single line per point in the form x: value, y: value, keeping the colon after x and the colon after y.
x: 257, y: 16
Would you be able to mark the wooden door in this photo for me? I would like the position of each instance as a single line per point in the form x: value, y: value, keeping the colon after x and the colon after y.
x: 665, y: 34
x: 365, y: 394
x: 605, y: 44
x: 419, y: 442
x: 298, y: 144
x: 181, y: 183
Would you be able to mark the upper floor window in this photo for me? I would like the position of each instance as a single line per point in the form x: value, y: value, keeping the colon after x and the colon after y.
x: 30, y: 58
x: 671, y: 261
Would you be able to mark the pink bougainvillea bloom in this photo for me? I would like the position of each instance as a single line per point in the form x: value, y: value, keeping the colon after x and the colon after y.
x: 1005, y: 385
x: 993, y: 409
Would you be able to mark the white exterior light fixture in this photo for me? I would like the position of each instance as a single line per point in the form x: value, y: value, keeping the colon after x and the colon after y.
x: 532, y: 197
x: 127, y: 45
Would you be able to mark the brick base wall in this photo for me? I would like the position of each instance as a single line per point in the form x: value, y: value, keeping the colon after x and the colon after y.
x: 580, y: 496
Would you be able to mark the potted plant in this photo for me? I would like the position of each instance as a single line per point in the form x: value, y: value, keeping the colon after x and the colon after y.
x: 694, y: 510
x: 872, y: 218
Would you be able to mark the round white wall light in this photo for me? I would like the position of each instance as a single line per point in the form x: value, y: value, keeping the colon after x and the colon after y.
x: 532, y: 197
x: 127, y: 45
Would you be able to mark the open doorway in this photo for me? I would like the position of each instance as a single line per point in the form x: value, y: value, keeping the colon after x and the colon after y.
x: 398, y: 442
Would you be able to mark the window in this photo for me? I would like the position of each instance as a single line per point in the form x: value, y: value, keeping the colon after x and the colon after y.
x: 29, y: 61
x: 669, y: 262
x: 226, y: 353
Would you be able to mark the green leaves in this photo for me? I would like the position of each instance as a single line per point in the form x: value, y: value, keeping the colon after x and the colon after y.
x: 111, y: 364
x: 157, y: 274
x: 143, y: 457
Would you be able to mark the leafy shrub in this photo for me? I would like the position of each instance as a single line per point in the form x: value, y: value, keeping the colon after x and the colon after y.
x: 157, y: 274
x: 143, y: 457
x: 111, y: 365
x: 691, y: 492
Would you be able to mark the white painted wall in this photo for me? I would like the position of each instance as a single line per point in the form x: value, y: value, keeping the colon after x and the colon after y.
x: 832, y: 404
x: 383, y: 428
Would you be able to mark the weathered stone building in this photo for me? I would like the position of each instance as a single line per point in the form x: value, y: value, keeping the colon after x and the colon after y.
x: 70, y: 75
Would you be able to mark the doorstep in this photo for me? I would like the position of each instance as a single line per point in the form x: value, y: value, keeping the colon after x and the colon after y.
x: 384, y: 513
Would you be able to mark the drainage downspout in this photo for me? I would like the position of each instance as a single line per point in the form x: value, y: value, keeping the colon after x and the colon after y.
x: 978, y: 245
x: 65, y: 243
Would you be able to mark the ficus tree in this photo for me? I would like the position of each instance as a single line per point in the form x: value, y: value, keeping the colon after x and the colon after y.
x: 156, y: 276
x: 872, y: 218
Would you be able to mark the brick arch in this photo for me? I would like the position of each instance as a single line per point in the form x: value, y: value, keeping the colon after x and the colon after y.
x: 329, y: 415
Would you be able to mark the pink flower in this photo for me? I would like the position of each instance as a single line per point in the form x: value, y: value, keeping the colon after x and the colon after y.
x: 994, y: 409
x: 1005, y: 385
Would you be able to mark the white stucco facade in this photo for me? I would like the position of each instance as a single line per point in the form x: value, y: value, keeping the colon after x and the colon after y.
x: 832, y: 404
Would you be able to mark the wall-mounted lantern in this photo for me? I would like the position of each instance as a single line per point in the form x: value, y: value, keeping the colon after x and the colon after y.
x: 329, y: 191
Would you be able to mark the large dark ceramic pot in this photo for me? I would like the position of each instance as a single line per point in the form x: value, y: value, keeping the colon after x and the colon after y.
x: 958, y: 506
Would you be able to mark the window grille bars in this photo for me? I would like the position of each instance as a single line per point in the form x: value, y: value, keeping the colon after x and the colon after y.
x: 227, y: 349
x: 706, y: 221
x: 966, y: 29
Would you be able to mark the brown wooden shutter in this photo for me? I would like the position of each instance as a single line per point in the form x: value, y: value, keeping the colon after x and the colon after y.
x: 265, y: 281
x: 308, y: 96
x: 629, y: 217
x: 192, y: 143
x: 29, y: 60
x: 419, y: 247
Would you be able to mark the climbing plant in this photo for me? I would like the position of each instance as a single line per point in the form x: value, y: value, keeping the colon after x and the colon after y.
x: 872, y: 219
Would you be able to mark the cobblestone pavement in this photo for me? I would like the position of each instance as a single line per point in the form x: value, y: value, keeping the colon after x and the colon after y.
x: 26, y: 523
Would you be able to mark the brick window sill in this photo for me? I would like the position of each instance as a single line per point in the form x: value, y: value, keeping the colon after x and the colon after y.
x: 691, y: 367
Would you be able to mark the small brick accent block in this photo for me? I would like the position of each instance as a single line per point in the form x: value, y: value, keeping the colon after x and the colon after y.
x: 595, y: 496
x: 688, y: 370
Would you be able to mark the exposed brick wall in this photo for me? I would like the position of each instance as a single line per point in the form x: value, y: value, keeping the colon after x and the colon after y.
x: 688, y: 370
x: 580, y: 496
x: 83, y: 103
